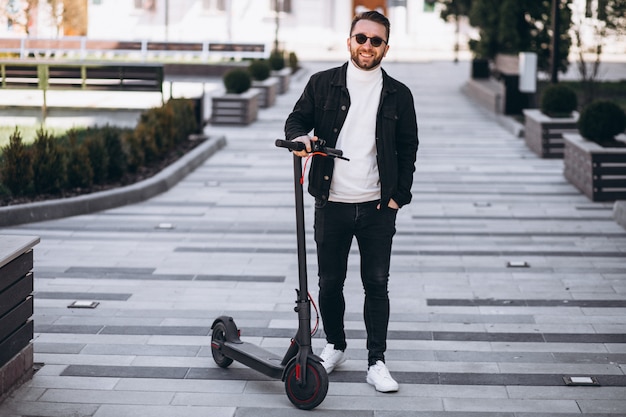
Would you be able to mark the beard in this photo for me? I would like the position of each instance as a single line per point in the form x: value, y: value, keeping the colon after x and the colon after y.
x: 365, y: 64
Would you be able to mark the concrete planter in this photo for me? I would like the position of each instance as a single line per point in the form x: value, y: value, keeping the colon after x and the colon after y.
x: 284, y: 77
x: 544, y: 134
x: 598, y: 172
x: 235, y: 109
x: 269, y: 91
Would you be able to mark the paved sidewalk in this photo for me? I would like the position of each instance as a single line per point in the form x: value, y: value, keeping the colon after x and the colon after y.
x: 469, y: 335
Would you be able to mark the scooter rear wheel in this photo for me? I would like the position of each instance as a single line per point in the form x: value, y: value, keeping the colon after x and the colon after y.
x: 310, y: 394
x: 218, y: 337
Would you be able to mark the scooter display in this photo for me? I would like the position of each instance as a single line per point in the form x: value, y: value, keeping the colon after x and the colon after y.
x: 306, y: 380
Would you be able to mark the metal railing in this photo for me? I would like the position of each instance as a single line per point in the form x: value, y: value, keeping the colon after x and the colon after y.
x: 83, y: 48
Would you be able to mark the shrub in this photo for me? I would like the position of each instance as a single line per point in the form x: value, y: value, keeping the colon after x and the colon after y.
x: 115, y: 151
x: 146, y: 139
x: 237, y: 81
x: 558, y: 100
x: 601, y: 121
x: 48, y: 164
x: 156, y: 132
x: 277, y: 60
x: 16, y: 171
x: 184, y: 111
x: 98, y: 157
x: 135, y: 152
x: 79, y: 170
x: 260, y: 70
x: 293, y: 62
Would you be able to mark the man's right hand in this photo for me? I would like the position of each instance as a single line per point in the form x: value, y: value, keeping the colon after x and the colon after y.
x: 307, y: 142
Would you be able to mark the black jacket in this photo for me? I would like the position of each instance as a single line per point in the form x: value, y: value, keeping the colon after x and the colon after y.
x: 323, y: 107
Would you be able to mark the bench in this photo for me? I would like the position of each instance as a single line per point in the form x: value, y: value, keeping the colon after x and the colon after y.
x: 94, y: 77
x: 119, y: 77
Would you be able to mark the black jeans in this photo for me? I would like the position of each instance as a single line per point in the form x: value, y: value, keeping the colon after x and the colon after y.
x: 335, y: 226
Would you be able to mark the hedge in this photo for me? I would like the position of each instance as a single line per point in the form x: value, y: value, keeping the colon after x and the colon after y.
x: 83, y: 158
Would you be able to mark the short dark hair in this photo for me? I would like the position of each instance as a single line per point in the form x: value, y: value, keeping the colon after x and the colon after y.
x: 374, y: 16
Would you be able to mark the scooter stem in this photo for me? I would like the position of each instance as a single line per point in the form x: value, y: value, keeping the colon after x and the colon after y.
x: 300, y: 230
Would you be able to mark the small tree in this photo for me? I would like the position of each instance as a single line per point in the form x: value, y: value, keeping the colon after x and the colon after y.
x: 16, y: 171
x: 592, y: 28
x: 455, y: 11
x: 513, y: 26
x: 98, y: 158
x: 49, y: 172
x: 79, y: 171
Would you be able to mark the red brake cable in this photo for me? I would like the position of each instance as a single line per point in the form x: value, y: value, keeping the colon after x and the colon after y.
x: 306, y: 161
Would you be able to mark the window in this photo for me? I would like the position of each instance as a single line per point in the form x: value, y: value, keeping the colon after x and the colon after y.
x: 214, y: 5
x: 281, y: 6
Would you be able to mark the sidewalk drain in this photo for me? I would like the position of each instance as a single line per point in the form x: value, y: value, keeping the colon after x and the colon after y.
x: 517, y: 264
x: 581, y: 381
x: 84, y: 304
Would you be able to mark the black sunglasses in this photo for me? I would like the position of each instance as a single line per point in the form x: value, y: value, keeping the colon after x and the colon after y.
x: 375, y: 41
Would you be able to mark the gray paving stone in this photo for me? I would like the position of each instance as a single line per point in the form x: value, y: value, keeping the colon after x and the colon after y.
x: 469, y: 336
x: 113, y: 410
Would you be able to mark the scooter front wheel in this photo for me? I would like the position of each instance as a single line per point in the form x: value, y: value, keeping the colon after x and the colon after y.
x: 218, y: 337
x: 309, y: 395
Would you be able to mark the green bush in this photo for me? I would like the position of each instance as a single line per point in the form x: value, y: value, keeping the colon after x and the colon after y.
x: 558, y: 100
x: 293, y: 62
x: 156, y: 130
x: 16, y: 171
x: 98, y: 158
x: 260, y: 70
x: 277, y: 60
x: 187, y: 120
x: 601, y: 121
x: 115, y: 151
x: 48, y: 164
x: 100, y: 155
x: 237, y: 81
x: 79, y: 170
x: 136, y: 154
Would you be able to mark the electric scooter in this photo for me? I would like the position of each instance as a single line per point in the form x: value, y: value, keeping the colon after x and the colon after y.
x: 306, y: 380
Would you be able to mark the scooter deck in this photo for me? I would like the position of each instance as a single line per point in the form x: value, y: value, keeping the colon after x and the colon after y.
x: 254, y: 357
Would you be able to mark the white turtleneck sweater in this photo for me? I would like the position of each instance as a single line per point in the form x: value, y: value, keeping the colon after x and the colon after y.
x: 357, y: 180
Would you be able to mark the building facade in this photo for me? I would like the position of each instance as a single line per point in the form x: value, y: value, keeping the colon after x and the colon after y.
x: 314, y: 29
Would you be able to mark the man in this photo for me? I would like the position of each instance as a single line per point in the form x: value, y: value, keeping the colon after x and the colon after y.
x: 361, y: 110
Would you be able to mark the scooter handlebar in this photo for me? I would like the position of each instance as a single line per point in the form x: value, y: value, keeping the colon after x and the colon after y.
x: 316, y: 146
x: 291, y: 145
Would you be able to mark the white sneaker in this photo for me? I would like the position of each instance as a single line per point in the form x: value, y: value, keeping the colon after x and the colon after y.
x: 378, y: 376
x: 331, y: 357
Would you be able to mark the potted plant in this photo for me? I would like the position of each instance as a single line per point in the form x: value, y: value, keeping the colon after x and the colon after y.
x: 544, y: 127
x: 240, y: 103
x: 260, y: 71
x: 280, y: 70
x: 595, y: 159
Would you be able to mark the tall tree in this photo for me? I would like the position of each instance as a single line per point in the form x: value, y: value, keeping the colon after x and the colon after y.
x: 453, y: 11
x: 599, y: 21
x: 513, y: 26
x: 69, y: 16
